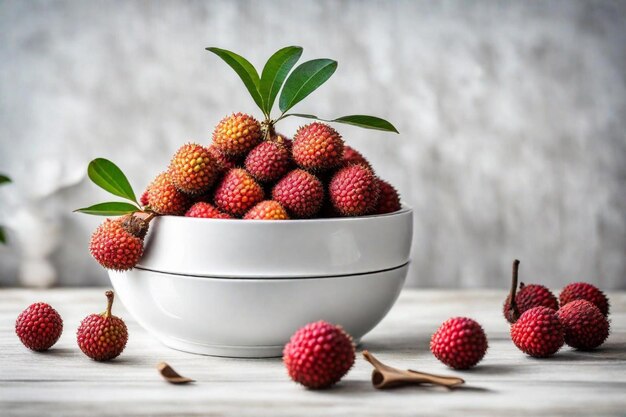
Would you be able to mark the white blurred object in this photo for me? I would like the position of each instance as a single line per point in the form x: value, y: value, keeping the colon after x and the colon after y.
x: 37, y: 237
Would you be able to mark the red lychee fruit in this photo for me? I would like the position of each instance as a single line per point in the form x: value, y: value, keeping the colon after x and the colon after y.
x: 585, y: 291
x: 354, y: 191
x: 585, y: 326
x: 317, y: 147
x: 268, y: 161
x: 351, y: 156
x: 538, y: 332
x: 460, y: 343
x: 388, y: 199
x: 39, y: 326
x: 282, y: 140
x: 300, y: 192
x: 118, y: 244
x: 193, y: 169
x: 223, y: 162
x: 319, y: 355
x: 207, y: 211
x: 238, y: 192
x: 267, y: 210
x: 144, y: 199
x: 237, y: 134
x: 165, y: 198
x: 527, y: 297
x: 102, y: 337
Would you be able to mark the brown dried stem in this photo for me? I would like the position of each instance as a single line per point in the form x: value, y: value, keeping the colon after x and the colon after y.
x: 513, y: 310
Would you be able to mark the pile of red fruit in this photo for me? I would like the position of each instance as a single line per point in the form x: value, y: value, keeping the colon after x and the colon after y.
x: 540, y: 328
x: 243, y: 175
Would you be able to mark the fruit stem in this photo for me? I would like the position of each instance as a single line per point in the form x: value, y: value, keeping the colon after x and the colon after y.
x: 267, y: 128
x: 110, y: 297
x: 149, y: 217
x: 513, y: 305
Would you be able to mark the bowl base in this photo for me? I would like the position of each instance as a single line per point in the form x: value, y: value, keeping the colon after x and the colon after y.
x: 251, y: 352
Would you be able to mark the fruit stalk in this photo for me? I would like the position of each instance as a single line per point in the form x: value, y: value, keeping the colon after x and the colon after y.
x: 514, y: 310
x: 110, y: 297
x: 267, y: 129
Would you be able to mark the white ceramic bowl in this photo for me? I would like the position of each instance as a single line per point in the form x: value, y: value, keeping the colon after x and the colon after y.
x: 242, y: 288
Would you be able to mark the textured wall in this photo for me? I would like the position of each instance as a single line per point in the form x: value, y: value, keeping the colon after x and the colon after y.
x: 512, y: 120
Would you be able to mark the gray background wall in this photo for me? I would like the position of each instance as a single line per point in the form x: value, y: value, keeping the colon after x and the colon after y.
x: 512, y: 118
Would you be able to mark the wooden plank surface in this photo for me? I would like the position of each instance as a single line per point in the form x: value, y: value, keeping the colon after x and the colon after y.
x: 63, y: 382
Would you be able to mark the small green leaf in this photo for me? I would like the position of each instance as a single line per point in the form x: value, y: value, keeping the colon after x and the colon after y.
x: 113, y: 208
x: 3, y: 237
x: 106, y: 175
x: 244, y: 69
x: 4, y: 179
x: 274, y: 73
x: 305, y: 79
x: 368, y: 122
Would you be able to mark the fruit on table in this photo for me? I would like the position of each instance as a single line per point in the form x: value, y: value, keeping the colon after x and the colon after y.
x: 526, y: 297
x: 460, y: 343
x: 585, y: 291
x: 538, y: 332
x: 39, y: 326
x: 319, y: 355
x: 102, y: 337
x: 585, y: 326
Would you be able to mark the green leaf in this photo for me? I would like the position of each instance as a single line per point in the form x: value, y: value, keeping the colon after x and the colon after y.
x: 244, y: 69
x: 3, y: 237
x: 4, y: 179
x: 305, y: 79
x: 368, y: 122
x: 113, y: 208
x: 274, y: 73
x: 106, y: 175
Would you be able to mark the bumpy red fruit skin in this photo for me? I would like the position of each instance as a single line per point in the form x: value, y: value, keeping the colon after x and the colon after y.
x: 114, y: 247
x: 165, y: 198
x: 223, y: 162
x: 585, y: 326
x: 237, y: 134
x: 538, y: 332
x: 238, y: 192
x: 144, y: 199
x: 300, y: 192
x: 319, y: 355
x: 354, y: 191
x: 206, y: 211
x: 351, y: 156
x: 460, y: 343
x: 193, y: 169
x: 39, y: 326
x: 529, y: 296
x: 268, y: 161
x: 102, y: 338
x: 317, y: 147
x: 388, y: 199
x: 585, y: 291
x: 267, y: 210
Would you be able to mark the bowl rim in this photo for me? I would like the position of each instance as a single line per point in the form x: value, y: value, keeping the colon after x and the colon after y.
x: 405, y: 209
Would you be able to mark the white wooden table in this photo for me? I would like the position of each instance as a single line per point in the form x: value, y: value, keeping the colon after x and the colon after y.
x: 507, y: 383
